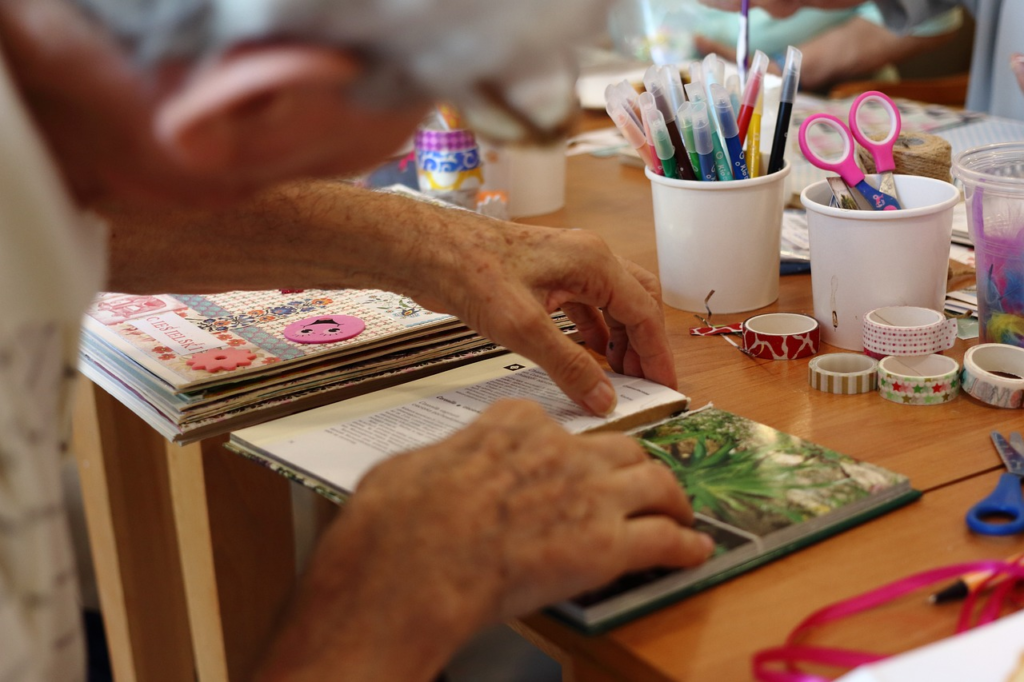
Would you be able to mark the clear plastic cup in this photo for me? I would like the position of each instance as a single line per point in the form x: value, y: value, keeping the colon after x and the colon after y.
x: 993, y: 181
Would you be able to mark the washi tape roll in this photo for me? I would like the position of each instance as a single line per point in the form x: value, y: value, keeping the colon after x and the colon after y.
x: 994, y: 374
x: 907, y: 330
x: 843, y: 373
x: 919, y: 380
x: 781, y: 336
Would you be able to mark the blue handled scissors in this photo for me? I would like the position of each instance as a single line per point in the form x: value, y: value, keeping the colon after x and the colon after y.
x: 1006, y: 501
x: 883, y: 198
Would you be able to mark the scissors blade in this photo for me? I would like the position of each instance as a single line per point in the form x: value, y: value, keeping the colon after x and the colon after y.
x: 888, y: 185
x: 1012, y: 458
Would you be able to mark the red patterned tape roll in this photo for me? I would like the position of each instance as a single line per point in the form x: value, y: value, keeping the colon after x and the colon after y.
x: 781, y: 336
x: 907, y: 330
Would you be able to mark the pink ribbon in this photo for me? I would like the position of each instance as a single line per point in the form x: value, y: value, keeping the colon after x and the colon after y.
x: 767, y: 661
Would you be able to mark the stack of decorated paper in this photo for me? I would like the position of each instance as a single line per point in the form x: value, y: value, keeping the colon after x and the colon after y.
x: 195, y: 366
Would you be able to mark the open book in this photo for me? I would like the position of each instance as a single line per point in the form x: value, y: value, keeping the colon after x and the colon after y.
x: 759, y: 492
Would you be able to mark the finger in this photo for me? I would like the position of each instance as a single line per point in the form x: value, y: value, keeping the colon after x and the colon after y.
x: 638, y: 311
x: 659, y: 541
x: 617, y: 449
x: 1017, y: 66
x: 531, y: 334
x: 650, y: 488
x: 590, y: 325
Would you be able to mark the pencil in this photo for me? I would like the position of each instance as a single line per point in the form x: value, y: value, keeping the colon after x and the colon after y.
x: 970, y: 582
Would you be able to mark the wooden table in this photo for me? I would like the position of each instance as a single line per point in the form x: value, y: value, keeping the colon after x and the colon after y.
x: 150, y: 504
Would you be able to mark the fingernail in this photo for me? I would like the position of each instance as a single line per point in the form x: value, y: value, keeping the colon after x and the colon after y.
x: 709, y: 544
x: 601, y: 399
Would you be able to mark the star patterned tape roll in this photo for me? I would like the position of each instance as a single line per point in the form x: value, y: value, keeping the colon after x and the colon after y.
x: 843, y: 373
x: 781, y: 336
x: 907, y: 330
x: 994, y: 374
x: 918, y: 379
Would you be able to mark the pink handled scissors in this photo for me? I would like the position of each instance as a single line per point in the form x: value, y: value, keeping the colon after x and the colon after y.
x: 846, y: 165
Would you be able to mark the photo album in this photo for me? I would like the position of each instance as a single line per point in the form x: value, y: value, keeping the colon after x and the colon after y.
x: 758, y: 492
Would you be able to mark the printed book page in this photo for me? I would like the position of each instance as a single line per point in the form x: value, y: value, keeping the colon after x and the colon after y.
x: 339, y: 443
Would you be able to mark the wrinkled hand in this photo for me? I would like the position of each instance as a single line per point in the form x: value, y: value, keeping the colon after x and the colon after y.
x: 506, y: 279
x: 507, y: 516
x: 1017, y: 66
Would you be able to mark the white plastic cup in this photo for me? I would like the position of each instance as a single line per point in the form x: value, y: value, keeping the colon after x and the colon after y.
x: 719, y: 236
x: 531, y: 177
x: 862, y: 260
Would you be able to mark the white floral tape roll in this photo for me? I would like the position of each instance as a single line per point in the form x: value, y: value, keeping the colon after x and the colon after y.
x: 994, y: 374
x: 919, y: 379
x: 907, y: 330
x: 843, y: 373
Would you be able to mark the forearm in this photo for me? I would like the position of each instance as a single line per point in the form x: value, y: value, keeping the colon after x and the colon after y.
x: 304, y: 235
x: 359, y: 618
x: 855, y: 49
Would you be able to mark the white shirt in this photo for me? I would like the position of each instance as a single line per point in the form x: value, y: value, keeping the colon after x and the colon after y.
x: 52, y: 261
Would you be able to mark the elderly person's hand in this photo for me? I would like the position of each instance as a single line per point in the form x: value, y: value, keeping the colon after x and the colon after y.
x: 505, y: 517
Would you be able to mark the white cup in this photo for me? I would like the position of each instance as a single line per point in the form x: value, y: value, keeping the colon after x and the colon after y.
x: 862, y: 260
x: 721, y: 237
x: 531, y: 177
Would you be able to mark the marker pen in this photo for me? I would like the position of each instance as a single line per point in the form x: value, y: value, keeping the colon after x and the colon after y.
x: 696, y: 94
x: 790, y: 83
x: 702, y: 136
x: 629, y: 94
x: 730, y: 133
x: 630, y: 130
x: 662, y: 143
x: 646, y: 101
x: 656, y: 85
x: 732, y: 86
x: 684, y: 119
x: 755, y: 82
x: 754, y: 138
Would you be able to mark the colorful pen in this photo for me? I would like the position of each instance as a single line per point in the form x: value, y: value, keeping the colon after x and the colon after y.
x: 696, y: 94
x: 702, y: 137
x: 753, y: 146
x: 743, y: 42
x: 732, y: 86
x: 663, y: 143
x: 670, y: 74
x: 630, y: 130
x: 656, y: 85
x: 755, y: 83
x: 790, y: 83
x: 730, y: 133
x: 646, y: 101
x: 684, y: 119
x: 971, y: 582
x: 629, y: 94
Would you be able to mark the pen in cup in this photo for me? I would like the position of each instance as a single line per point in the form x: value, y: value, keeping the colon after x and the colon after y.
x: 790, y: 83
x: 646, y: 101
x: 695, y: 93
x: 630, y: 129
x: 662, y: 142
x: 753, y: 146
x: 684, y: 118
x: 732, y: 86
x: 657, y: 85
x: 730, y: 133
x: 670, y: 74
x: 702, y: 140
x: 755, y: 83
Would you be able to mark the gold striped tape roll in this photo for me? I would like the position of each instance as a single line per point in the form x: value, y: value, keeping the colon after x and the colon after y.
x: 843, y: 373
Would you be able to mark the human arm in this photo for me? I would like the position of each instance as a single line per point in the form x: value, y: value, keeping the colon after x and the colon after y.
x: 505, y: 517
x: 853, y: 49
x: 500, y: 278
x: 900, y: 15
